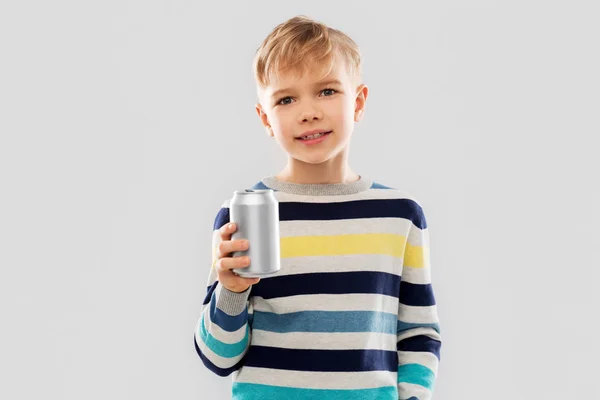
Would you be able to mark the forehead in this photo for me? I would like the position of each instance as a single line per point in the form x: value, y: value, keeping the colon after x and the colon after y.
x: 307, y: 75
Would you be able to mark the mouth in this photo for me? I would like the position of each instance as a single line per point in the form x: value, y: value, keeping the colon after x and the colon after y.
x: 313, y: 137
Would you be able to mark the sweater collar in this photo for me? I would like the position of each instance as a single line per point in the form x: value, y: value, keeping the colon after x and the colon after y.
x: 318, y: 189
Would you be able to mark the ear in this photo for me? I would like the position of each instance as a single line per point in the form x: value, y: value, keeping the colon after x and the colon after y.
x: 362, y: 92
x: 264, y: 119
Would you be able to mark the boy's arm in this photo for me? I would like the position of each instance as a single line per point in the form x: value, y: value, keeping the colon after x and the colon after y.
x: 419, y: 340
x: 222, y: 334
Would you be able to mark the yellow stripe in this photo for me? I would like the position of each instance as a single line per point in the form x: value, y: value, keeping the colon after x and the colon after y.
x: 373, y: 243
x: 416, y: 256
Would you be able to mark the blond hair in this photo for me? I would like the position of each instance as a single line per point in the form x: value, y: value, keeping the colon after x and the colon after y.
x: 297, y: 43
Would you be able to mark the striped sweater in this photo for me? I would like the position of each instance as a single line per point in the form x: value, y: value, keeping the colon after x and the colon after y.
x: 350, y: 315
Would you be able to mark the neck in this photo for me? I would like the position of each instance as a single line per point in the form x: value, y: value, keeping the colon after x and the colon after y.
x: 335, y: 170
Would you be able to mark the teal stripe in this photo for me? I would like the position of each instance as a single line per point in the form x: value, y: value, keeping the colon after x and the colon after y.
x: 326, y: 321
x: 416, y: 374
x: 225, y: 350
x: 404, y: 326
x: 253, y: 391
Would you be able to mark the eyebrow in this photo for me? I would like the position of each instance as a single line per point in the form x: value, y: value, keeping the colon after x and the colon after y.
x: 321, y: 83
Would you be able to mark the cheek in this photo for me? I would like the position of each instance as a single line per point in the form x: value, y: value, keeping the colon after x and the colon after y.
x: 341, y: 108
x: 281, y: 119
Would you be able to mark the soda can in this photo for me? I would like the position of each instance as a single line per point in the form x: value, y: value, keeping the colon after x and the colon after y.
x: 256, y: 214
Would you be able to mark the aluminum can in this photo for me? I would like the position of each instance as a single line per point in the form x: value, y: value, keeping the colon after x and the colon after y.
x: 256, y: 214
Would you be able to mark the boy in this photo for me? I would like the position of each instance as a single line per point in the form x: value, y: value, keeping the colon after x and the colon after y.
x: 351, y: 314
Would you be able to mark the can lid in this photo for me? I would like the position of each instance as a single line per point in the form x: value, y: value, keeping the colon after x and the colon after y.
x: 251, y: 191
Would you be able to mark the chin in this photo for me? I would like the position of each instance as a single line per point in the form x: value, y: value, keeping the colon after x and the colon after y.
x: 315, y: 159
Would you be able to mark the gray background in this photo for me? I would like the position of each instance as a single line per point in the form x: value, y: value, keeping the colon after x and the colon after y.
x: 125, y: 125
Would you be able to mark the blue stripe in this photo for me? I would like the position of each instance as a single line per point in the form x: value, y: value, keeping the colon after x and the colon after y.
x: 328, y: 283
x: 252, y: 391
x: 213, y: 367
x: 222, y: 218
x: 326, y: 321
x: 260, y: 186
x: 416, y: 374
x: 404, y: 326
x: 376, y: 185
x: 413, y: 294
x: 225, y: 321
x: 420, y: 343
x: 370, y: 208
x: 321, y: 360
x: 226, y: 350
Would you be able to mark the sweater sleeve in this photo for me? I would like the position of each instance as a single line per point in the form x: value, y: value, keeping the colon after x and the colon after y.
x: 419, y: 339
x: 222, y: 334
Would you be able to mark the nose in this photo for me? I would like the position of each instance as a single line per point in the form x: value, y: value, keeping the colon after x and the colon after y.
x: 310, y: 113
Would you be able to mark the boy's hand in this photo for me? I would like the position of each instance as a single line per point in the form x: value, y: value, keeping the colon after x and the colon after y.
x: 225, y: 262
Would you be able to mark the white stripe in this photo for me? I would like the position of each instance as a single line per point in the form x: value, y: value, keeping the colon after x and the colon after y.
x: 219, y: 361
x: 408, y: 390
x: 341, y: 263
x: 427, y: 331
x: 420, y: 276
x: 417, y: 236
x: 318, y: 379
x: 396, y: 226
x: 419, y: 357
x: 417, y: 314
x: 328, y: 302
x: 325, y: 340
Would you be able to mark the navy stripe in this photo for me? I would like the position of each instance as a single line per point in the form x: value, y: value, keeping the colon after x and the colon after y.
x: 222, y: 218
x: 328, y: 283
x: 209, y: 291
x: 213, y: 367
x: 225, y: 321
x: 322, y: 360
x: 373, y: 208
x: 413, y: 294
x: 420, y: 343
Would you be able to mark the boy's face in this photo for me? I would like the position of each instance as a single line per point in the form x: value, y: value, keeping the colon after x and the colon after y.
x: 292, y: 105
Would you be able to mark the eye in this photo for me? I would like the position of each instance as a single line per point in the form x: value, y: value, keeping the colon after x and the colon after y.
x: 283, y: 102
x: 285, y: 98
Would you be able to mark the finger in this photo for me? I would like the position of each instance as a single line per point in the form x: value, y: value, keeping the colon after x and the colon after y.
x: 228, y: 263
x: 226, y: 230
x: 229, y: 246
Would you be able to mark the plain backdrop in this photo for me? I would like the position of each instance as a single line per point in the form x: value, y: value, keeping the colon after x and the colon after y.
x: 125, y: 124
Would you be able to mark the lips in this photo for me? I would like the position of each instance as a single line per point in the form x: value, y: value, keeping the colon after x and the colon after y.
x: 313, y: 133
